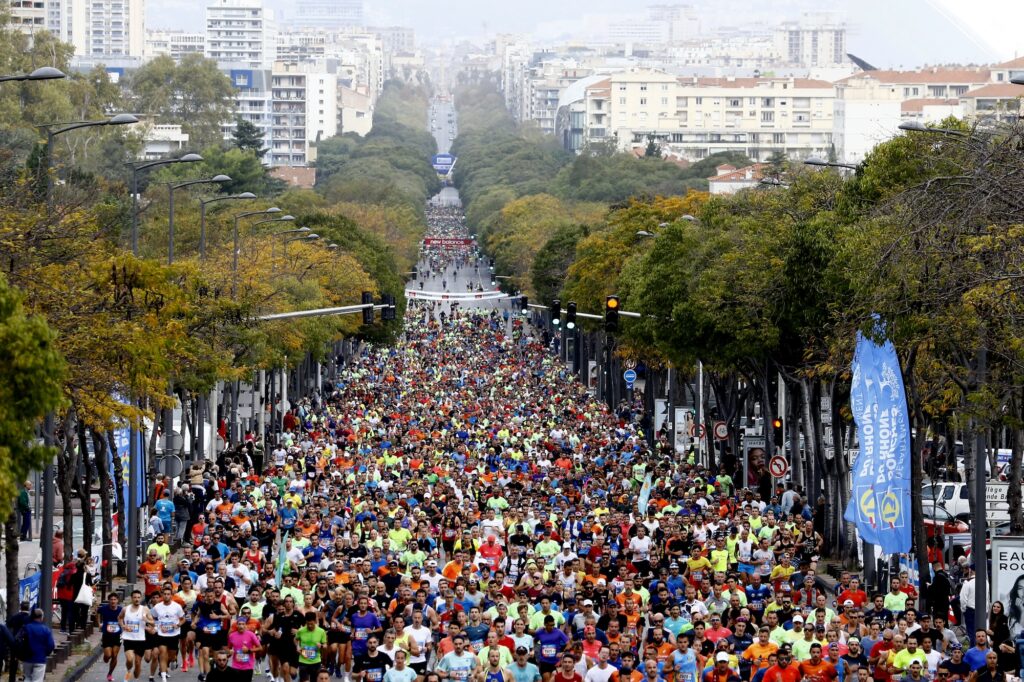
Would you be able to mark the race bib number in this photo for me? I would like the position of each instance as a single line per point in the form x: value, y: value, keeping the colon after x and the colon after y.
x: 461, y: 674
x: 346, y: 628
x: 374, y: 675
x: 168, y: 628
x: 131, y: 627
x: 113, y: 628
x: 212, y: 628
x: 241, y: 658
x: 548, y: 651
x: 362, y: 633
x: 154, y: 578
x: 309, y: 652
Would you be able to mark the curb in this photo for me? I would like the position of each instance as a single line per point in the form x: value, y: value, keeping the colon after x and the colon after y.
x: 83, y: 665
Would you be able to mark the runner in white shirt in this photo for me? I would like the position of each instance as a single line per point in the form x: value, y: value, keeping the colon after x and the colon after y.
x: 168, y: 616
x: 133, y: 621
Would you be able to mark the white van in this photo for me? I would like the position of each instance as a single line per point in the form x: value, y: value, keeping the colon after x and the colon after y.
x: 955, y: 498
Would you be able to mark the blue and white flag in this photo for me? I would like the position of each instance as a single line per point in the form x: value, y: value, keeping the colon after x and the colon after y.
x: 645, y: 494
x: 880, y: 505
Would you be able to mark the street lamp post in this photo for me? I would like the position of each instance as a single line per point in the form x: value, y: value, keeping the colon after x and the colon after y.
x: 170, y: 193
x: 822, y: 163
x: 43, y: 73
x: 202, y: 217
x: 273, y: 245
x: 234, y: 254
x: 918, y: 127
x: 136, y: 167
x: 306, y: 238
x: 51, y: 133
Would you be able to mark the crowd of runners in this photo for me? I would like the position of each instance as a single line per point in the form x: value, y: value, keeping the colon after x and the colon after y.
x: 458, y: 507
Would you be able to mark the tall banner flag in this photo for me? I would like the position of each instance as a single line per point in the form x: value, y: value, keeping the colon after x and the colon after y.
x: 644, y: 499
x: 282, y: 556
x: 880, y: 505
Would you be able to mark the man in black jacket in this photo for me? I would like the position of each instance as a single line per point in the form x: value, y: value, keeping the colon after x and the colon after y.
x: 938, y: 592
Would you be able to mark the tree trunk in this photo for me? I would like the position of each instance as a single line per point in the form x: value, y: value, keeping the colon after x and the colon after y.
x: 66, y: 473
x: 84, y: 487
x: 12, y: 538
x: 122, y: 503
x: 1013, y: 489
x: 99, y: 445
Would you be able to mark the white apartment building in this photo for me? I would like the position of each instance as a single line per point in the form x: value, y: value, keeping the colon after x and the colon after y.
x: 253, y: 103
x: 304, y: 110
x: 817, y: 40
x: 161, y: 140
x: 692, y: 118
x: 355, y: 111
x: 175, y: 44
x: 99, y: 29
x: 27, y: 16
x: 870, y: 105
x: 240, y: 34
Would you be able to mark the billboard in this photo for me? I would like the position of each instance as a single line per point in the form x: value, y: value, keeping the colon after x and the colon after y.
x: 1007, y: 555
x: 443, y: 163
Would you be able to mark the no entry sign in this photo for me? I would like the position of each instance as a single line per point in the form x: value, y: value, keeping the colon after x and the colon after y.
x: 778, y: 466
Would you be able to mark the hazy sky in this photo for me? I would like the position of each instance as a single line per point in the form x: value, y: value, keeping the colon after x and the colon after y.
x: 886, y: 33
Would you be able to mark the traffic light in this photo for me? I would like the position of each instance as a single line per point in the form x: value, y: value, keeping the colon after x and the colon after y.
x: 415, y: 273
x: 524, y: 304
x: 388, y: 314
x: 368, y: 312
x: 611, y: 314
x: 556, y: 312
x: 570, y: 315
x: 779, y: 432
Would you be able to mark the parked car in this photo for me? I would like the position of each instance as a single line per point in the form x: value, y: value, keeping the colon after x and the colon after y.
x: 938, y: 521
x: 954, y: 498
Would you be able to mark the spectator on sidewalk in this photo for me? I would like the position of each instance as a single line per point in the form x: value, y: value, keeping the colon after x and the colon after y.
x: 25, y: 511
x: 58, y: 547
x: 38, y: 645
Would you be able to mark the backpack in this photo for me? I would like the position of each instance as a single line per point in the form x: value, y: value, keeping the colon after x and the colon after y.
x: 64, y: 579
x: 21, y: 648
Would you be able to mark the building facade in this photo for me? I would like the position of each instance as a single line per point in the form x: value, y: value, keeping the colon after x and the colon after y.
x: 240, y: 34
x: 304, y: 110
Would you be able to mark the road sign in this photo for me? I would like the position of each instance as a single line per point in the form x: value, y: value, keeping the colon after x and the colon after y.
x: 697, y: 430
x: 995, y: 493
x: 443, y: 163
x: 629, y: 376
x: 778, y: 466
x: 721, y: 431
x: 629, y: 363
x: 629, y: 385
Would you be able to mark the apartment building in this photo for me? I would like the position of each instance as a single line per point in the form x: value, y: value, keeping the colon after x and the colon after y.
x: 870, y: 105
x: 253, y: 103
x: 304, y: 110
x: 692, y: 118
x: 104, y: 30
x: 175, y: 44
x: 27, y: 16
x: 328, y: 14
x: 816, y: 40
x: 240, y: 34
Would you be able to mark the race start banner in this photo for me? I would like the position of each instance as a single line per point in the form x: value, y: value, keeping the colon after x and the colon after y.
x: 880, y: 506
x: 447, y: 242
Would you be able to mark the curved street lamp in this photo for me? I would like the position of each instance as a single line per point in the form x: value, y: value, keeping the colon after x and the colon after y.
x: 52, y: 131
x: 216, y: 179
x: 202, y: 216
x: 43, y: 73
x: 136, y: 167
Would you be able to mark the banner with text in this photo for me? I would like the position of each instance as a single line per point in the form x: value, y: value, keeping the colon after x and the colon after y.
x: 880, y: 506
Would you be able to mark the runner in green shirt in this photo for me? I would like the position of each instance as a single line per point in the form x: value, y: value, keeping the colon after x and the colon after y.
x: 310, y: 639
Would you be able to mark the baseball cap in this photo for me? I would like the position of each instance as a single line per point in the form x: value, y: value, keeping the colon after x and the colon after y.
x: 798, y: 619
x: 721, y: 656
x: 431, y: 563
x: 848, y: 602
x: 695, y: 609
x: 522, y: 650
x: 587, y: 602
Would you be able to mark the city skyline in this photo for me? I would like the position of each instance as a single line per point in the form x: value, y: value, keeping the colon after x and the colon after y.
x: 888, y: 35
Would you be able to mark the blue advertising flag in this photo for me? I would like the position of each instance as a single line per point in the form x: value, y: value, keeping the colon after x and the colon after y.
x: 880, y: 501
x: 645, y: 494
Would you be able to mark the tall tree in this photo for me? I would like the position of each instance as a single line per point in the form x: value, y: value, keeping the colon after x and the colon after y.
x: 248, y: 137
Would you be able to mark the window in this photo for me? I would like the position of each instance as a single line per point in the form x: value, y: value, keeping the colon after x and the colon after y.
x: 778, y: 138
x: 664, y: 101
x: 664, y: 87
x: 767, y: 116
x: 622, y: 87
x: 767, y: 102
x: 643, y: 101
x: 752, y: 101
x: 699, y: 101
x: 801, y: 102
x: 622, y: 101
x: 735, y: 102
x: 643, y: 87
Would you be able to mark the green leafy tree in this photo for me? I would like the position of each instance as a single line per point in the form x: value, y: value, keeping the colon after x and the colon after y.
x: 248, y: 137
x: 31, y: 376
x: 653, y: 150
x: 193, y: 93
